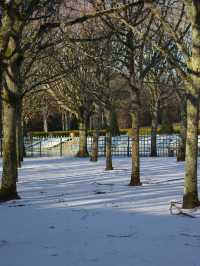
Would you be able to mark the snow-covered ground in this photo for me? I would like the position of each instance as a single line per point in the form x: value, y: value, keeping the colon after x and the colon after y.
x: 73, y: 213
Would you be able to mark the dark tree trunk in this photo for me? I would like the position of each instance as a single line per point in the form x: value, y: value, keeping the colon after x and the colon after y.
x: 95, y: 139
x: 135, y: 174
x: 109, y: 151
x: 9, y: 176
x: 19, y: 136
x: 109, y: 165
x: 154, y: 127
x: 183, y: 133
x: 11, y: 27
x: 63, y: 121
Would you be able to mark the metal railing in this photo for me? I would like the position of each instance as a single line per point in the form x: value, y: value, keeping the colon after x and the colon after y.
x: 167, y: 145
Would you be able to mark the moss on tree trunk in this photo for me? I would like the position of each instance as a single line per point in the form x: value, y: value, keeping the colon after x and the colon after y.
x: 190, y: 197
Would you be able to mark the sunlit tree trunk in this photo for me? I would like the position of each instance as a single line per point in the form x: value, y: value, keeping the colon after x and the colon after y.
x: 45, y: 119
x: 190, y: 198
x: 83, y: 151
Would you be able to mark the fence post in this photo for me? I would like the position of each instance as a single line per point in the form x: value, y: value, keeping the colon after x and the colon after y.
x: 61, y: 151
x: 128, y: 147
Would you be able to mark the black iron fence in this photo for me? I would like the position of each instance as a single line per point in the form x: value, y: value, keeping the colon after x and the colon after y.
x: 167, y: 145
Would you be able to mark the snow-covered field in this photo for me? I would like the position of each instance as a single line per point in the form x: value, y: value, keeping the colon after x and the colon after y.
x: 73, y: 213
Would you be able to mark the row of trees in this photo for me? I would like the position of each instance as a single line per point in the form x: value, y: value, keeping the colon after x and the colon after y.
x: 94, y: 57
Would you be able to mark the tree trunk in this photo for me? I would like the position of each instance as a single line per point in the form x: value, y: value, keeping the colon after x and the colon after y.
x: 9, y: 176
x: 83, y: 152
x: 190, y: 197
x: 1, y: 111
x: 19, y: 136
x: 109, y: 151
x: 95, y: 139
x: 95, y: 145
x: 65, y: 121
x: 154, y: 127
x: 45, y: 121
x: 11, y: 57
x: 135, y: 174
x: 109, y: 165
x: 183, y: 132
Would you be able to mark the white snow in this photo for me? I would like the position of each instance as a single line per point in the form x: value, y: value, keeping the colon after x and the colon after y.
x: 73, y: 213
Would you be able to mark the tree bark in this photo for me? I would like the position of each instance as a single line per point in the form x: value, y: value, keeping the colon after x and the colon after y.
x: 183, y: 132
x: 135, y: 174
x: 109, y: 165
x: 65, y: 121
x: 95, y: 139
x: 10, y: 175
x: 12, y: 58
x: 45, y: 120
x: 83, y: 152
x: 190, y: 197
x: 19, y: 136
x: 154, y: 127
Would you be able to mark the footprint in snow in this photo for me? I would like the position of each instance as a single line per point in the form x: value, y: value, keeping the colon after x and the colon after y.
x: 52, y: 227
x: 3, y: 243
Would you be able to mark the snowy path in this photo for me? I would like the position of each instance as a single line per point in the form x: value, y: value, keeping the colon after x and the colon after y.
x: 73, y: 213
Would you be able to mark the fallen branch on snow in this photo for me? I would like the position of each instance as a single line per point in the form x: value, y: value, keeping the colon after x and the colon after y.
x: 176, y: 210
